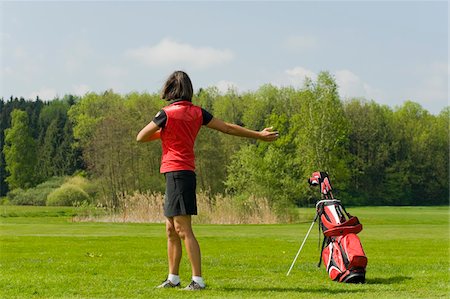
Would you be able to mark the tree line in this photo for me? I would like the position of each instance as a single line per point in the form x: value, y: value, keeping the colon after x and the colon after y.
x: 375, y: 155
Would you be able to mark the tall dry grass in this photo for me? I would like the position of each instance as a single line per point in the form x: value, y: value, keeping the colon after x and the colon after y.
x: 217, y: 209
x: 227, y: 210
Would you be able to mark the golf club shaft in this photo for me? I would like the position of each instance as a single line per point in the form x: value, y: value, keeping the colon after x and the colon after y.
x: 304, y: 240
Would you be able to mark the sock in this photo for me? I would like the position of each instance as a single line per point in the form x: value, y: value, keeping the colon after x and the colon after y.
x: 175, y: 279
x: 199, y: 280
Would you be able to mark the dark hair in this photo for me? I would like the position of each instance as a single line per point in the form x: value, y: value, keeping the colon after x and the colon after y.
x: 177, y: 86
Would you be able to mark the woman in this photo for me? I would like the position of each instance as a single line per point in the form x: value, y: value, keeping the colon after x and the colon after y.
x: 177, y: 126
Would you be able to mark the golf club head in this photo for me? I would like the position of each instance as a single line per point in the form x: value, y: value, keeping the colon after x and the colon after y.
x: 313, y: 182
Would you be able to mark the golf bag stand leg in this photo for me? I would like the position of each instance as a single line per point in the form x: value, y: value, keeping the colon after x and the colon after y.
x: 303, y: 243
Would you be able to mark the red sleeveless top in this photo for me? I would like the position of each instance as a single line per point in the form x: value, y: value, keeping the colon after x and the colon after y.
x: 184, y: 120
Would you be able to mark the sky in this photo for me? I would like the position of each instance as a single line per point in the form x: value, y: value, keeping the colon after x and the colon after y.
x: 385, y: 51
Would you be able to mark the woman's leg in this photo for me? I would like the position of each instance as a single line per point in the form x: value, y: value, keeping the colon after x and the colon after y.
x: 174, y: 249
x: 183, y: 228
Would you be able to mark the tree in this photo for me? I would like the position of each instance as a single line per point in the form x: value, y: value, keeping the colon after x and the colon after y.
x: 213, y: 150
x: 33, y: 109
x: 419, y: 145
x: 438, y: 191
x: 321, y: 132
x: 105, y: 127
x: 20, y: 152
x: 58, y: 155
x: 3, y: 126
x: 370, y: 147
x: 262, y: 169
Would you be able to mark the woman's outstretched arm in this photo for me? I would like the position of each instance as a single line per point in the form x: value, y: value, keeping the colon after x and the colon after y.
x: 267, y: 134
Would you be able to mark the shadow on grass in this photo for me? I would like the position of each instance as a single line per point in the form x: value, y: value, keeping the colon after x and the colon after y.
x: 387, y: 280
x: 369, y: 281
x: 294, y: 289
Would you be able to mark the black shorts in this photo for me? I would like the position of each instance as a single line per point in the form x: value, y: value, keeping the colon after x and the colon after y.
x: 180, y: 198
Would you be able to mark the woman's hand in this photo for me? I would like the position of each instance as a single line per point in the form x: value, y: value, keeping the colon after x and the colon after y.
x: 268, y: 134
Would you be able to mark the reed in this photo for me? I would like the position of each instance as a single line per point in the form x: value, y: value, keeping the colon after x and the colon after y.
x: 218, y: 209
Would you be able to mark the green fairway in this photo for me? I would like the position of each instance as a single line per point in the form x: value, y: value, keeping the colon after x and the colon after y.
x: 44, y: 254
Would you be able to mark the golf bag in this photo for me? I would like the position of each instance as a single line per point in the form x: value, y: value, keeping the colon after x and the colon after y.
x: 341, y: 252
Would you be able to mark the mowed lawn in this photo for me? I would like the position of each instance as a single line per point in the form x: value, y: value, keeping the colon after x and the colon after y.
x: 43, y: 254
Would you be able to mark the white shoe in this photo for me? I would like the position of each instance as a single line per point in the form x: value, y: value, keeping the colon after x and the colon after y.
x: 168, y: 284
x: 193, y: 286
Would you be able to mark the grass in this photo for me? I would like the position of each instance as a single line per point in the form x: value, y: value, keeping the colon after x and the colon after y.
x: 43, y: 254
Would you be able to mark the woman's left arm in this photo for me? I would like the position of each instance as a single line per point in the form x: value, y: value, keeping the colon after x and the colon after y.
x: 148, y: 133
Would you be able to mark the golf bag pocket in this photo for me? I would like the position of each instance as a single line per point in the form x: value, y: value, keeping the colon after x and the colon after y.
x: 332, y: 259
x: 334, y: 219
x: 344, y: 259
x: 353, y: 251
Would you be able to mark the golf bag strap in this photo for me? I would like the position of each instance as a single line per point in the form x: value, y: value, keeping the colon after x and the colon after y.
x: 323, y: 242
x: 348, y: 215
x: 321, y: 250
x: 319, y: 226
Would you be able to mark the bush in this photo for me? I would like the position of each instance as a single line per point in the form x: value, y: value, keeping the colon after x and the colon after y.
x: 36, y: 196
x: 29, y: 197
x: 84, y: 184
x: 14, y: 195
x: 68, y: 195
x: 53, y: 182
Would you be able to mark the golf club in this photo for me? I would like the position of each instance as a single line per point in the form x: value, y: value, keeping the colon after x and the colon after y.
x: 301, y: 246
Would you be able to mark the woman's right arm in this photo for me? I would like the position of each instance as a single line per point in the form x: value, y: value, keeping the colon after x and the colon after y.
x: 148, y: 133
x: 232, y: 129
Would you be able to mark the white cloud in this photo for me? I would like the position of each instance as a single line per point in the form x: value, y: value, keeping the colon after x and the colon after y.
x: 45, y: 93
x: 351, y: 85
x: 81, y: 89
x: 223, y: 86
x: 432, y: 91
x: 294, y: 77
x: 298, y: 75
x: 300, y: 43
x: 169, y: 53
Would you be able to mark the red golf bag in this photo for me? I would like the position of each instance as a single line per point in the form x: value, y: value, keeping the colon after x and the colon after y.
x: 341, y: 252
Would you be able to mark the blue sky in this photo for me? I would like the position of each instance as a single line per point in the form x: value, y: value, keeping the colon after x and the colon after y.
x: 386, y: 51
